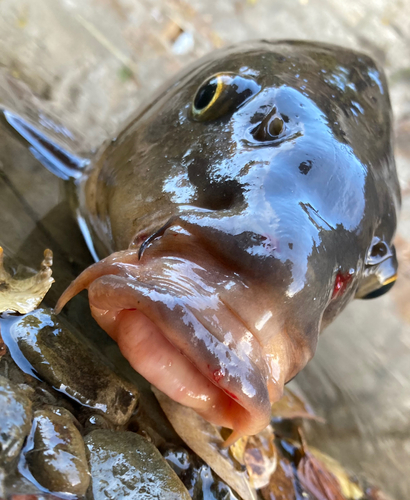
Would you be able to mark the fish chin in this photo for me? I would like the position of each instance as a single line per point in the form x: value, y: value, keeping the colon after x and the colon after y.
x: 172, y: 320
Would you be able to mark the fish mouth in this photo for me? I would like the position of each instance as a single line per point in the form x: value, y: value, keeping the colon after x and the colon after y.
x: 174, y: 321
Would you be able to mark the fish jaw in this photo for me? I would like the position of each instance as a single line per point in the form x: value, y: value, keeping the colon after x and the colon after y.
x: 175, y: 322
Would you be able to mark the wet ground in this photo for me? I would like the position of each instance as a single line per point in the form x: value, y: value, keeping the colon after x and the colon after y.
x: 92, y: 62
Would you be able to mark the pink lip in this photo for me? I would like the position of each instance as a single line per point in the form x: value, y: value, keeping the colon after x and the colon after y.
x: 171, y: 323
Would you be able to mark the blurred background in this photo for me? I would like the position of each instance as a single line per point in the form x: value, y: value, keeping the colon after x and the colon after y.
x: 92, y: 62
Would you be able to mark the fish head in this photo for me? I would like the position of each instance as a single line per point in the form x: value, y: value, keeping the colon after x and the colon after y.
x: 247, y: 204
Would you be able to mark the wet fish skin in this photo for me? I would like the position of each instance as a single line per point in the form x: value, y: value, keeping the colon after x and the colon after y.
x: 245, y: 206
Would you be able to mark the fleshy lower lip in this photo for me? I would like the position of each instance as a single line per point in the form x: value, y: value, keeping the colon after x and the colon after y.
x: 191, y: 318
x: 262, y: 322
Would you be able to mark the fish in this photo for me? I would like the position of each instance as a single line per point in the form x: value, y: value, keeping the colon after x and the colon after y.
x: 234, y: 217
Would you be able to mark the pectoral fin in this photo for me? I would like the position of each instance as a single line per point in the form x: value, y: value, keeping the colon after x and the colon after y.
x: 50, y: 141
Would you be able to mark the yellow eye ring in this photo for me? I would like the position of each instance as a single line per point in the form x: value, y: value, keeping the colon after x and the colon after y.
x: 390, y: 280
x: 222, y: 94
x: 211, y: 89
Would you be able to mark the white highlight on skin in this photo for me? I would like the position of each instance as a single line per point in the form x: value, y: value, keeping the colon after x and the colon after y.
x: 274, y: 366
x: 262, y: 322
x: 179, y: 188
x: 202, y: 397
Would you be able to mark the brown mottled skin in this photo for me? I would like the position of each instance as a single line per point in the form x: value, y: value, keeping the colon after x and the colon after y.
x: 240, y: 213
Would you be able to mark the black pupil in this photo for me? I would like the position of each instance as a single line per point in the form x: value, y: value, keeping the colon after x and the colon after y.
x: 205, y: 95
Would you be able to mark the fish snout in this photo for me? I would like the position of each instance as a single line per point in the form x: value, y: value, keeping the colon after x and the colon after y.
x: 193, y: 326
x: 171, y: 321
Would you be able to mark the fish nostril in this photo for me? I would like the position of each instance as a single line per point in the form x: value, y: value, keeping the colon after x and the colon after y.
x: 275, y: 126
x: 270, y: 127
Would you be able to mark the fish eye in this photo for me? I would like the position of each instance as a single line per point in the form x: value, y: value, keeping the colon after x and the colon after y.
x: 222, y: 94
x: 380, y: 272
x: 382, y: 290
x: 205, y: 95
